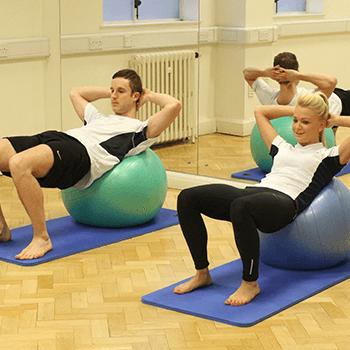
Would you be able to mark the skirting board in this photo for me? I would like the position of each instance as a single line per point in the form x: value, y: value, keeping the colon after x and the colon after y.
x: 180, y: 181
x: 235, y: 127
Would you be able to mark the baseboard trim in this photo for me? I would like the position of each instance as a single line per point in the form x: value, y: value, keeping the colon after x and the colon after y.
x: 180, y: 181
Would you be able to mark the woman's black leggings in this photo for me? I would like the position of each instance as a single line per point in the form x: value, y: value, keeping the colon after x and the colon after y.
x: 248, y: 209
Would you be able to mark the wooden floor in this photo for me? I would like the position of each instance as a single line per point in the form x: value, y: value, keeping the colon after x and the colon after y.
x: 92, y: 300
x: 219, y: 155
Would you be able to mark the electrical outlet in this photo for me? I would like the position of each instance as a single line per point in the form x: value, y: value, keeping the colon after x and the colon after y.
x: 250, y: 92
x: 203, y: 37
x: 263, y: 35
x: 4, y: 50
x: 96, y: 43
x: 127, y: 41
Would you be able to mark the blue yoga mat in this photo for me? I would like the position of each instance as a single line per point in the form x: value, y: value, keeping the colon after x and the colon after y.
x: 256, y: 174
x: 69, y: 237
x: 280, y: 289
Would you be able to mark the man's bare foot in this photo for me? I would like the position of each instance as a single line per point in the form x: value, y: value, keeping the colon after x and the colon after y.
x: 36, y: 249
x: 244, y: 294
x: 201, y: 279
x: 5, y: 234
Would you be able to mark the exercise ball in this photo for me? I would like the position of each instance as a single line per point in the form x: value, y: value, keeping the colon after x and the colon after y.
x: 129, y: 194
x: 318, y: 238
x: 283, y: 127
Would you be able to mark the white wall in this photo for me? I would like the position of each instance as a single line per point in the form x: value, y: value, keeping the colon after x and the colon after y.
x: 30, y: 93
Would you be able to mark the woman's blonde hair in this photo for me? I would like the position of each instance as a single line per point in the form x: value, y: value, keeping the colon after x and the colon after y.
x: 317, y: 101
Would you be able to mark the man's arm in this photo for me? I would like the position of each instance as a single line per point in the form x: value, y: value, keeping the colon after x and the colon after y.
x: 325, y: 83
x: 81, y: 96
x: 251, y: 74
x: 170, y: 108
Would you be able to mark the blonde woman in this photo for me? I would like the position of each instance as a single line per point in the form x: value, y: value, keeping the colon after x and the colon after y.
x: 298, y: 174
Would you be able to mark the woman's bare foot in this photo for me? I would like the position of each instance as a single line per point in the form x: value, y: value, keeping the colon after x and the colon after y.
x: 202, y: 278
x: 5, y: 234
x: 36, y: 249
x: 244, y: 294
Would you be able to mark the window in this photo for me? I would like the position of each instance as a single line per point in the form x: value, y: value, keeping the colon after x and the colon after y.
x: 299, y: 6
x: 290, y: 6
x: 147, y: 10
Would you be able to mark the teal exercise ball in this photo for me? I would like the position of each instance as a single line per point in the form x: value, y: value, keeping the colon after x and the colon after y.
x: 283, y: 126
x: 129, y: 194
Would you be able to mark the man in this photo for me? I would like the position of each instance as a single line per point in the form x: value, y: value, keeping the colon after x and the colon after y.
x: 79, y: 156
x: 286, y: 72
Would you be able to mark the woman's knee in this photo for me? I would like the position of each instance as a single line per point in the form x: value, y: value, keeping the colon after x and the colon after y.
x: 239, y: 210
x: 185, y: 198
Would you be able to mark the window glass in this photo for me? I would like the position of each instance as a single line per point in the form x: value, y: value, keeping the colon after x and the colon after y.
x: 291, y: 6
x: 159, y: 9
x: 117, y: 10
x: 123, y: 10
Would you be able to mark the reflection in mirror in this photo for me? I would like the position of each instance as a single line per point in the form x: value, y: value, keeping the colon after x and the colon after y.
x: 223, y: 146
x: 236, y: 34
x: 163, y: 51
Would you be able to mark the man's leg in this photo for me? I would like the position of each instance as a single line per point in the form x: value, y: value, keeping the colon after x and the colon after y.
x: 25, y: 167
x: 6, y: 152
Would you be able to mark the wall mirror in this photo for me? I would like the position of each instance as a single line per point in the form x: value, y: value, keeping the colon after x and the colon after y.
x: 223, y: 144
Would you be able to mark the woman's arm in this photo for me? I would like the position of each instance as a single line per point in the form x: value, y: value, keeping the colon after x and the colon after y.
x: 344, y: 147
x: 263, y: 115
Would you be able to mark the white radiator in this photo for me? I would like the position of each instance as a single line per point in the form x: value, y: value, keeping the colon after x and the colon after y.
x: 171, y: 73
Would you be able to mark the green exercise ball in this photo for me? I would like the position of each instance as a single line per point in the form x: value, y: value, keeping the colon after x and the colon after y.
x: 129, y: 194
x: 283, y: 127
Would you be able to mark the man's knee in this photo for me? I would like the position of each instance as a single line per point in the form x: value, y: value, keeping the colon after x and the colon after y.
x: 6, y: 153
x: 17, y: 165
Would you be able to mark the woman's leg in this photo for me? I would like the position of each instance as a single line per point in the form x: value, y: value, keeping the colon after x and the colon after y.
x: 246, y: 209
x: 213, y: 201
x: 268, y: 211
x: 263, y: 209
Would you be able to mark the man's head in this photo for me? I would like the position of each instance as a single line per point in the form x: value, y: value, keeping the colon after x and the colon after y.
x: 286, y: 60
x: 134, y: 79
x: 126, y: 89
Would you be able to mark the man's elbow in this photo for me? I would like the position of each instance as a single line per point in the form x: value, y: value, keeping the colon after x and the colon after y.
x: 258, y: 109
x: 73, y: 92
x: 177, y: 106
x: 334, y: 82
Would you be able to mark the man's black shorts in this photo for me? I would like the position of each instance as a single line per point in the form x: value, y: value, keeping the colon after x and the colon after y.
x: 71, y: 160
